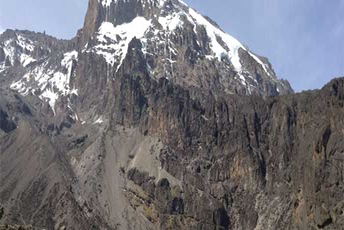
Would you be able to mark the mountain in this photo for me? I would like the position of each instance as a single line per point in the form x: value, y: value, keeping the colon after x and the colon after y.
x: 177, y: 43
x: 152, y: 117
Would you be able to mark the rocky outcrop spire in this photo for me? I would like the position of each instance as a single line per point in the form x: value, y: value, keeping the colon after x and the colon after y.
x: 92, y: 20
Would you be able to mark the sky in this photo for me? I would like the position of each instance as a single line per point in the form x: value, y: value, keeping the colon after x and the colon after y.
x: 303, y: 39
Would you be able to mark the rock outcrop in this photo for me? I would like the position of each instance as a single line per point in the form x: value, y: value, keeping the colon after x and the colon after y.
x: 1, y: 212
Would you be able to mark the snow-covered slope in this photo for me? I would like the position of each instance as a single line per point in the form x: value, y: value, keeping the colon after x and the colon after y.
x: 114, y: 41
x: 51, y: 82
x: 45, y: 64
x: 16, y: 50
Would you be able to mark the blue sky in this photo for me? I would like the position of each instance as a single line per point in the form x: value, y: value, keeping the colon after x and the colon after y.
x: 303, y: 39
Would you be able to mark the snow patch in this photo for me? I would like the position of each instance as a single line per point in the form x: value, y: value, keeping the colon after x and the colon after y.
x: 68, y: 57
x: 9, y: 51
x: 205, y: 118
x: 51, y: 83
x: 99, y: 120
x: 260, y: 62
x: 50, y: 96
x: 170, y: 22
x: 115, y: 40
x: 107, y: 3
x: 243, y: 80
x: 26, y: 60
x: 25, y: 43
x: 21, y: 88
x: 219, y: 51
x: 13, y: 54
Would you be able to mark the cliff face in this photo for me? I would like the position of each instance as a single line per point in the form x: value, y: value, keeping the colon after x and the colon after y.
x: 140, y: 123
x: 168, y: 158
x: 261, y: 164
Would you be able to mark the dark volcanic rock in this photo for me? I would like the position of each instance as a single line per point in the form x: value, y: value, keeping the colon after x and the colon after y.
x: 1, y: 212
x: 5, y: 123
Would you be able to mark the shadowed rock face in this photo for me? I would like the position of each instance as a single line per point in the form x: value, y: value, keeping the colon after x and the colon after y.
x: 1, y: 212
x: 6, y: 124
x: 124, y: 146
x: 267, y: 163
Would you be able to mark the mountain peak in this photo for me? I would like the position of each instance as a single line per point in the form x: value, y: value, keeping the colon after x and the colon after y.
x: 176, y: 35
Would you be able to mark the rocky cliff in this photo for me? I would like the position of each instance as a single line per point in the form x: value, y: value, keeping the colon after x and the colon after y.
x: 153, y: 118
